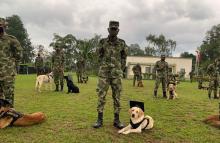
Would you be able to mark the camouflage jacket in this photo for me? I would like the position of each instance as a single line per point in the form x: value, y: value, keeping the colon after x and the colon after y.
x: 136, y: 70
x: 112, y: 58
x: 161, y: 68
x: 58, y: 61
x: 10, y: 55
x: 213, y: 72
x: 39, y: 62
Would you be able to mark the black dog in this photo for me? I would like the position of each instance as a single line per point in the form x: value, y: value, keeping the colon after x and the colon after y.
x: 71, y: 87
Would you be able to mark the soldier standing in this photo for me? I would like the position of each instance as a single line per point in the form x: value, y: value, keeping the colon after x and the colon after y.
x: 161, y: 68
x: 58, y: 67
x: 10, y: 55
x: 137, y: 73
x: 191, y: 74
x: 212, y: 71
x: 112, y: 53
x: 80, y: 69
x: 39, y: 64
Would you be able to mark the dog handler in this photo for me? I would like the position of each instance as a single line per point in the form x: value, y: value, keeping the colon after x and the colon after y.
x: 10, y: 55
x: 112, y: 54
x: 58, y: 66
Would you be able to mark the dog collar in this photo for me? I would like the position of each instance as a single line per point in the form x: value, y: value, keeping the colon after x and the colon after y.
x: 135, y: 126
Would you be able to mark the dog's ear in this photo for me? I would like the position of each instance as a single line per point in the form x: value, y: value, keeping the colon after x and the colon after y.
x: 129, y: 111
x: 141, y: 112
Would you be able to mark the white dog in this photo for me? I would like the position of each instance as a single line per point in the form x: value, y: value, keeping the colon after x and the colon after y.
x: 44, y: 79
x: 171, y: 88
x: 138, y: 122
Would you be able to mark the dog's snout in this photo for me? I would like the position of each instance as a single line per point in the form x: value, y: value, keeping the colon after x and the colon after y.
x: 132, y: 115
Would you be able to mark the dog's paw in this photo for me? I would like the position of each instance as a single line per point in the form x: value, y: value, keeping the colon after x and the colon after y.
x: 126, y: 132
x: 120, y: 131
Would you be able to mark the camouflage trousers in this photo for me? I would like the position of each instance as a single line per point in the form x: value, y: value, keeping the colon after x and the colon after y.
x: 136, y: 77
x: 158, y: 81
x: 58, y: 77
x: 102, y: 89
x: 7, y: 89
x: 213, y: 86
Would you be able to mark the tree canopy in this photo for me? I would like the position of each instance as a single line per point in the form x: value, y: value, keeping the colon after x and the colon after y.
x: 17, y: 29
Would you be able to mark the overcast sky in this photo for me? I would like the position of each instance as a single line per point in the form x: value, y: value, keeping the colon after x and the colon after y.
x: 185, y: 21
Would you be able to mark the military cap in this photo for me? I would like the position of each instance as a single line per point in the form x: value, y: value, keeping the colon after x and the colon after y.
x: 3, y: 22
x: 113, y: 24
x: 137, y: 104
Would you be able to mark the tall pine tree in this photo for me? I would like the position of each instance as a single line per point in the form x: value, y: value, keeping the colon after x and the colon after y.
x: 16, y: 28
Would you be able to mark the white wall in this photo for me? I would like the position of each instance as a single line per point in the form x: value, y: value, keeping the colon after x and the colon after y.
x: 179, y: 63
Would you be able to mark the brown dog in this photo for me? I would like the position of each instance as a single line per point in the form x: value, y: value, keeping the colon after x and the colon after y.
x: 140, y: 84
x: 213, y: 120
x: 9, y: 117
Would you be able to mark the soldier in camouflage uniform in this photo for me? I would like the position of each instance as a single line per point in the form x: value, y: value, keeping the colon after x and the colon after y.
x: 213, y: 73
x: 161, y: 68
x: 10, y: 55
x: 112, y: 54
x: 80, y: 69
x: 39, y: 64
x: 137, y: 73
x: 58, y: 67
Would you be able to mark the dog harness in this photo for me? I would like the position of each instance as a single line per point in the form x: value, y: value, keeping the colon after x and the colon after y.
x: 11, y: 113
x: 135, y: 126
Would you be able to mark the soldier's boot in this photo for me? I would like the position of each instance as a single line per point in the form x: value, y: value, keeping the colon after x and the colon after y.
x: 57, y: 87
x: 61, y: 88
x: 209, y: 96
x: 117, y: 122
x: 155, y: 93
x: 99, y: 121
x: 164, y: 94
x: 215, y: 95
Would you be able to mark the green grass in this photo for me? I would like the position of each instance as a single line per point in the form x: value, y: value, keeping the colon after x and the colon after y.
x: 70, y: 117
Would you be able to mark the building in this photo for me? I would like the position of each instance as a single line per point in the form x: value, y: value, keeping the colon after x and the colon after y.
x: 147, y: 63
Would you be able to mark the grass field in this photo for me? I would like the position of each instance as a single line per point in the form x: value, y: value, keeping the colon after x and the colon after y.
x: 70, y: 117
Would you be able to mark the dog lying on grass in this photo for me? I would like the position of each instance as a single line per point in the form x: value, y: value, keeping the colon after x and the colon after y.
x: 72, y: 88
x: 138, y: 121
x: 44, y: 79
x: 10, y: 117
x: 213, y: 120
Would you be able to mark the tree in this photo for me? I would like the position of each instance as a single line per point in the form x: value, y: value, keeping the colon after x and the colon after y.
x: 68, y: 43
x: 16, y: 28
x: 160, y: 45
x: 135, y: 50
x: 210, y: 49
x: 189, y: 55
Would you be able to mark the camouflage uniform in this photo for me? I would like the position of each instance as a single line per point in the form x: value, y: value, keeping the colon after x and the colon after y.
x: 137, y: 73
x: 10, y: 54
x: 39, y: 65
x: 58, y: 67
x: 80, y: 65
x: 112, y: 58
x: 161, y: 68
x: 212, y: 71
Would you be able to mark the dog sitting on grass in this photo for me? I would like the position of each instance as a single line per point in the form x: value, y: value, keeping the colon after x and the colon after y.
x: 138, y: 122
x: 10, y: 117
x: 72, y: 88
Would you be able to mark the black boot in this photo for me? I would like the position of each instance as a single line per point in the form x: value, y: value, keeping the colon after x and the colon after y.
x: 57, y: 88
x: 155, y: 93
x: 61, y: 88
x: 209, y: 96
x: 164, y: 94
x: 99, y: 124
x: 117, y: 122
